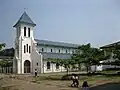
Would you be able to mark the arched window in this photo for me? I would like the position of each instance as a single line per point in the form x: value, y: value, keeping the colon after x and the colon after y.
x: 37, y: 63
x: 59, y: 50
x: 48, y: 65
x: 51, y: 50
x: 42, y: 49
x: 66, y: 51
x: 57, y: 66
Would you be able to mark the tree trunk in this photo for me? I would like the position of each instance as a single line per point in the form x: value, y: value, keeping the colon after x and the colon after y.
x: 61, y: 68
x: 79, y: 67
x: 67, y: 71
x: 87, y: 69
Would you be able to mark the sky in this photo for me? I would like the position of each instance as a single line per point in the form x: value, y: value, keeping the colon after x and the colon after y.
x: 72, y: 21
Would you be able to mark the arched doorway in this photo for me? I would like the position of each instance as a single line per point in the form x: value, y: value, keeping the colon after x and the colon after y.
x: 27, y: 66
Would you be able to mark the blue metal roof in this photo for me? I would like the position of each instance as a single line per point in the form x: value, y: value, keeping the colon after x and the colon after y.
x: 56, y: 55
x: 25, y: 19
x: 53, y: 43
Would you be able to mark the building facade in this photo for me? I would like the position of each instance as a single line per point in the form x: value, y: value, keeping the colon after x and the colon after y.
x: 31, y: 53
x: 107, y: 51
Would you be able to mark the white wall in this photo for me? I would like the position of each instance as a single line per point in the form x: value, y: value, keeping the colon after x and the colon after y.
x: 55, y: 49
x: 103, y: 67
x: 22, y: 30
x: 26, y: 40
x: 98, y: 68
x: 52, y: 68
x: 20, y: 41
x: 36, y: 58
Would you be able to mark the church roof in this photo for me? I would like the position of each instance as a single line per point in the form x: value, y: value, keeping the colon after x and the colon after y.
x: 25, y: 19
x: 53, y: 43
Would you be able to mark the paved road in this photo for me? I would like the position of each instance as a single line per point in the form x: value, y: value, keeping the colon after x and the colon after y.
x: 112, y: 86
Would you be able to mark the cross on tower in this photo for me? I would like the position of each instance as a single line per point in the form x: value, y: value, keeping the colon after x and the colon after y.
x: 24, y: 9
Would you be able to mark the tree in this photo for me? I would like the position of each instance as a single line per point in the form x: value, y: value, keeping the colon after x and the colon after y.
x: 97, y: 56
x: 2, y: 45
x: 5, y: 63
x: 7, y: 52
x: 83, y: 55
x: 88, y: 55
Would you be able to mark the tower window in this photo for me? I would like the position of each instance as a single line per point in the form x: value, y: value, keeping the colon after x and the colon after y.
x: 59, y: 50
x: 51, y: 50
x: 42, y: 49
x: 28, y: 32
x: 24, y: 49
x: 29, y: 49
x: 48, y: 65
x: 24, y: 31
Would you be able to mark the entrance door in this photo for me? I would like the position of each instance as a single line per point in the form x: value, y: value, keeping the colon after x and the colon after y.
x: 27, y: 66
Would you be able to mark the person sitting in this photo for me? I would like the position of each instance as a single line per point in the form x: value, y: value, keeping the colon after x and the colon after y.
x: 85, y: 86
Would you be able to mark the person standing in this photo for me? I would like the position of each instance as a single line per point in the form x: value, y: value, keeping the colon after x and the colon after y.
x: 76, y: 81
x: 35, y: 72
x: 73, y: 80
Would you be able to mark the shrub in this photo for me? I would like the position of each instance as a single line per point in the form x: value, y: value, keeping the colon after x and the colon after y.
x: 118, y: 73
x: 66, y: 77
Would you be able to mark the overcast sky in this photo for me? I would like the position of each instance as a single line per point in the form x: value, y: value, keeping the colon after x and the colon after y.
x: 73, y: 21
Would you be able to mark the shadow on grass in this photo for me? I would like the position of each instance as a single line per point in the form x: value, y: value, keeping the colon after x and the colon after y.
x: 108, y: 86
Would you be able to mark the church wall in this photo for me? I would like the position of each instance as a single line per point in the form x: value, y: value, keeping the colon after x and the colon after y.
x: 52, y: 68
x: 24, y: 41
x: 36, y: 61
x: 54, y: 49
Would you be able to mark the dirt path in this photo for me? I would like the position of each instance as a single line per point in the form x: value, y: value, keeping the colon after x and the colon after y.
x: 25, y: 84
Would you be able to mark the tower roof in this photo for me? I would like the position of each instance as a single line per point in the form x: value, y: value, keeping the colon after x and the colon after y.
x: 25, y: 19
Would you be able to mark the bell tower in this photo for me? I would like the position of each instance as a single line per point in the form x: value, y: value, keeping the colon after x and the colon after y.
x: 23, y: 44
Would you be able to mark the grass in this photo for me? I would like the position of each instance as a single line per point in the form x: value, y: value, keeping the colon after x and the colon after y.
x: 93, y: 80
x: 55, y: 80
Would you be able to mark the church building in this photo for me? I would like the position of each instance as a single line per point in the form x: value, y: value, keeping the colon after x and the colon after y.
x: 31, y: 53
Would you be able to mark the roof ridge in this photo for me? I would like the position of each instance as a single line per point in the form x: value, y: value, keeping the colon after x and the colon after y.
x: 55, y: 41
x: 61, y: 44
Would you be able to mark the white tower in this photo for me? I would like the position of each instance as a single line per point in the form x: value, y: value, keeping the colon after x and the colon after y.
x: 23, y: 44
